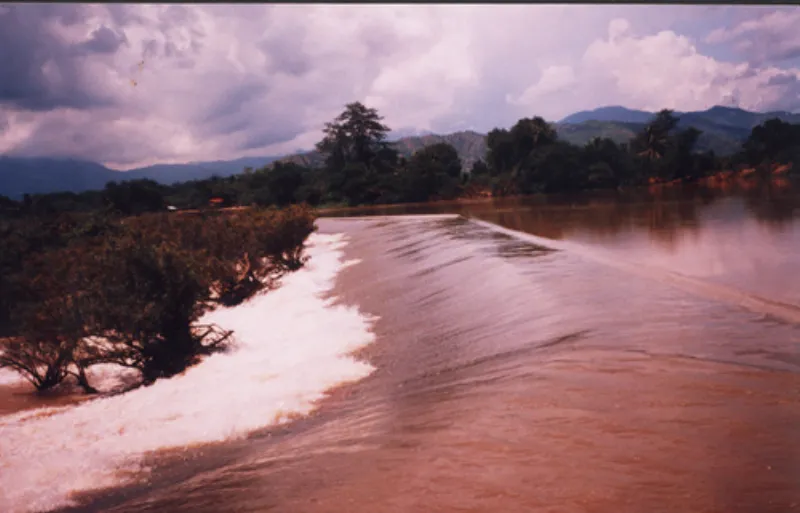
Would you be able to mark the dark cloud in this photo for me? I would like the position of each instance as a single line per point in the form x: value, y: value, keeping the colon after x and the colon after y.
x: 789, y: 87
x: 104, y: 40
x: 123, y: 15
x: 790, y: 98
x: 769, y: 48
x: 80, y: 138
x: 269, y: 135
x: 176, y: 15
x: 381, y: 41
x: 782, y: 79
x: 249, y: 113
x: 183, y: 17
x: 736, y: 76
x: 245, y: 115
x: 150, y: 48
x: 181, y: 59
x: 235, y: 99
x: 287, y: 54
x: 164, y: 46
x: 39, y: 71
x: 234, y: 112
x: 789, y: 51
x: 786, y: 104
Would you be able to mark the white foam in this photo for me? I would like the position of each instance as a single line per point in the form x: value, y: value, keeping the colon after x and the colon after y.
x: 292, y: 345
x: 9, y: 377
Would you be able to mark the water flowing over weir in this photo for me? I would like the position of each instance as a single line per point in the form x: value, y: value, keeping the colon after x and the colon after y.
x: 778, y: 309
x: 515, y: 374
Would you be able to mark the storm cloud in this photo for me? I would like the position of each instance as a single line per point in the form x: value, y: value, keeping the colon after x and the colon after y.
x: 131, y: 85
x: 40, y: 68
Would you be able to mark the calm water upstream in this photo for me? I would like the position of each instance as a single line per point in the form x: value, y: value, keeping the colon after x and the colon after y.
x: 645, y: 359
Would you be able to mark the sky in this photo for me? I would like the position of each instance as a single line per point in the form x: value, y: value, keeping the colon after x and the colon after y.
x: 135, y: 85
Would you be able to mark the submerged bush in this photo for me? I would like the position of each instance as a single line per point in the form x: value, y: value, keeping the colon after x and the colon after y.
x: 146, y: 298
x: 46, y: 318
x: 132, y: 294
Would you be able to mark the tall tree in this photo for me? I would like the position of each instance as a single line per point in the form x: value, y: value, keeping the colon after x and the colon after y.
x: 432, y: 172
x: 607, y: 163
x: 283, y: 182
x: 358, y: 159
x: 771, y: 140
x: 499, y: 151
x: 356, y: 136
x: 509, y: 149
x: 653, y: 142
x: 135, y: 196
x: 531, y: 133
x: 683, y: 161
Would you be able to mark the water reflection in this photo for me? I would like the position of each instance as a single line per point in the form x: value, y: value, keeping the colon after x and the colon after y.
x: 663, y: 210
x: 776, y: 206
x: 745, y: 236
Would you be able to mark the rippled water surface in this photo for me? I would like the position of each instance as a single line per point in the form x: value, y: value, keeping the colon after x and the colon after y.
x: 629, y: 354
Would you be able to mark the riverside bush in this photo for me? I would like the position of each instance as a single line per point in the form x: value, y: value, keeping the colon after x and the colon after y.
x: 131, y: 291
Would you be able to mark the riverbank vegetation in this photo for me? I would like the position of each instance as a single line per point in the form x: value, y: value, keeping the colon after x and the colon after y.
x: 78, y: 290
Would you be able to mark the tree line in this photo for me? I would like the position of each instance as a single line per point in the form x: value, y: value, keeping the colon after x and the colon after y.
x: 361, y: 167
x: 77, y: 290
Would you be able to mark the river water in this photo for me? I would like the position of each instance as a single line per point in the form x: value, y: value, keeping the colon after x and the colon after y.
x: 633, y: 352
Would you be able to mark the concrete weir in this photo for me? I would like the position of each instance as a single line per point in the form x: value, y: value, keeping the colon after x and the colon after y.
x: 421, y: 217
x: 783, y: 311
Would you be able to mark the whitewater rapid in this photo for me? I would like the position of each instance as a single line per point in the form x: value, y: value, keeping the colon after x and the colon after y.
x: 292, y: 345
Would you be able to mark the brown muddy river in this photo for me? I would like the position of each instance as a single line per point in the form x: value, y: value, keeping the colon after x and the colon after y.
x: 645, y: 359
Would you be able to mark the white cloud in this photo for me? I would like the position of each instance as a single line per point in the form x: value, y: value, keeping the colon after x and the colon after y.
x: 617, y: 28
x: 228, y: 81
x: 554, y: 79
x: 664, y: 70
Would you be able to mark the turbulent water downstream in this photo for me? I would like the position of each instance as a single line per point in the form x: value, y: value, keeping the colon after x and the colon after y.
x: 587, y: 355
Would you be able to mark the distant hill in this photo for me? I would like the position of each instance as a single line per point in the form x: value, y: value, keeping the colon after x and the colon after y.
x: 35, y: 175
x: 723, y: 130
x: 731, y: 117
x: 722, y: 140
x: 172, y: 173
x: 39, y: 175
x: 735, y: 118
x: 470, y: 145
x: 611, y: 113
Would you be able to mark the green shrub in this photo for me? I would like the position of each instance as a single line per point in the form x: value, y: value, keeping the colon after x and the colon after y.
x: 138, y: 286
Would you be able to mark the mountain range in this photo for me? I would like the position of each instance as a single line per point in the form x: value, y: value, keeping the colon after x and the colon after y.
x: 723, y: 130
